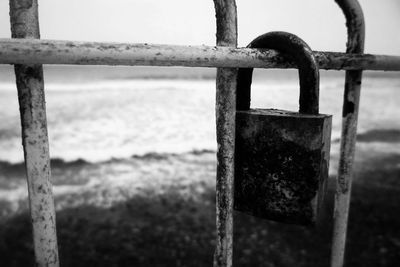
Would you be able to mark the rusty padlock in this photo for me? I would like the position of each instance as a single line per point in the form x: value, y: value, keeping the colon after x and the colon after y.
x: 282, y: 157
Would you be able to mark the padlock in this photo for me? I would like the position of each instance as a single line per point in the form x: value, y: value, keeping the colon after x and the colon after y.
x: 282, y: 157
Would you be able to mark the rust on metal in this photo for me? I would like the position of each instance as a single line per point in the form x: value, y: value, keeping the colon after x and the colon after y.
x: 22, y: 51
x: 282, y: 157
x: 226, y: 19
x: 295, y: 50
x: 355, y: 44
x: 29, y: 79
x: 282, y: 162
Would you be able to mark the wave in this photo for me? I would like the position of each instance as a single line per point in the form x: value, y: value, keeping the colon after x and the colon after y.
x: 58, y: 163
x: 161, y: 156
x: 118, y: 83
x: 380, y: 135
x: 161, y: 76
x: 376, y: 136
x: 16, y: 169
x: 377, y: 139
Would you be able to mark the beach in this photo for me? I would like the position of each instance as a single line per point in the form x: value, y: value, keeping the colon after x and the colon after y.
x: 133, y: 170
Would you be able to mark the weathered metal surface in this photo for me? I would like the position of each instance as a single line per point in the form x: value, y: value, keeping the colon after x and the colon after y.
x: 282, y: 161
x: 282, y: 157
x: 226, y: 19
x: 29, y: 78
x: 93, y: 53
x: 293, y: 49
x: 355, y: 44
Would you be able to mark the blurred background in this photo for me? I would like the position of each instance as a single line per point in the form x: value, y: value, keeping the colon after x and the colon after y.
x: 133, y: 148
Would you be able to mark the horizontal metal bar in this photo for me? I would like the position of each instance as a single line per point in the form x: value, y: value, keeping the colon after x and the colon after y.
x: 19, y: 51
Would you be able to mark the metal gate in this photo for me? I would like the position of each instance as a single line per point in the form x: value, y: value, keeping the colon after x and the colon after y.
x: 26, y: 52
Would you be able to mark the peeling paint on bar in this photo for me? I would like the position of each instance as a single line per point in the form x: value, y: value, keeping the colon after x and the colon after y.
x: 20, y: 51
x: 226, y: 18
x: 30, y: 85
x: 355, y: 44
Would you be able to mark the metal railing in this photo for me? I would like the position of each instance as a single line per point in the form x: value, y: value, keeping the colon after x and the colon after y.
x: 31, y: 96
x: 27, y: 53
x: 34, y: 51
x: 351, y: 103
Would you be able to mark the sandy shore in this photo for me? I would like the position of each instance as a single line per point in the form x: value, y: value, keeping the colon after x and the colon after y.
x: 159, y: 210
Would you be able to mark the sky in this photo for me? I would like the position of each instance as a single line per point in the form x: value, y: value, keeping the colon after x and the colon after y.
x: 192, y: 22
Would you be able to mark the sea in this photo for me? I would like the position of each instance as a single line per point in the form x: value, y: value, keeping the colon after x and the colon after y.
x: 115, y: 132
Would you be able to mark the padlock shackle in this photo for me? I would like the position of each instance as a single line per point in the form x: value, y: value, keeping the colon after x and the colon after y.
x: 296, y: 50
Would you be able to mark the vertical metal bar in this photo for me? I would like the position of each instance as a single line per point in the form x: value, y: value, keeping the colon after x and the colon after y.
x: 225, y: 117
x: 355, y: 44
x: 30, y: 85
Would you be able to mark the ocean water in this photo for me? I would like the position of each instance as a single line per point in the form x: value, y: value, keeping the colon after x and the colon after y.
x: 117, y: 129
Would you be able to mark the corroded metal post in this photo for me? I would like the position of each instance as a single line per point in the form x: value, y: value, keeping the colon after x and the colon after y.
x: 355, y: 44
x: 30, y: 85
x: 225, y: 115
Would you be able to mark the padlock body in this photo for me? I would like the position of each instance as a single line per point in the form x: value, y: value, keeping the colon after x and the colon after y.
x: 281, y: 164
